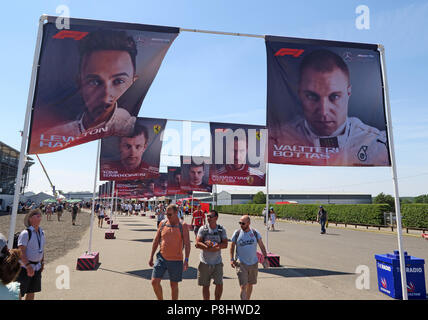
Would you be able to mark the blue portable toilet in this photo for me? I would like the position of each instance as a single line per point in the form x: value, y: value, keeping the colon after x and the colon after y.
x: 389, y: 275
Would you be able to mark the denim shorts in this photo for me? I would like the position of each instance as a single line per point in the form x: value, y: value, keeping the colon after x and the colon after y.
x: 175, y: 269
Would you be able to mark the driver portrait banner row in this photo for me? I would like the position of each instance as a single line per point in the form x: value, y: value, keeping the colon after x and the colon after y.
x: 135, y: 156
x: 92, y: 80
x: 146, y: 188
x: 325, y: 103
x: 238, y: 154
x: 238, y: 157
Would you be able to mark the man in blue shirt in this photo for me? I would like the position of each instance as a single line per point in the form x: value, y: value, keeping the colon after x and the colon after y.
x: 245, y: 241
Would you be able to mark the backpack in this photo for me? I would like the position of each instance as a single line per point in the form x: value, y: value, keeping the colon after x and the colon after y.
x: 163, y: 223
x: 16, y: 237
x: 237, y: 236
x: 205, y: 231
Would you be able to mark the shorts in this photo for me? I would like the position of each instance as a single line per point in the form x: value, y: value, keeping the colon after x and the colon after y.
x: 207, y: 272
x: 247, y: 274
x: 100, y: 217
x: 196, y: 229
x: 175, y: 269
x: 29, y: 284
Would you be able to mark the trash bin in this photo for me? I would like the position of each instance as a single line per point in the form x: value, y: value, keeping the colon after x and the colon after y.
x: 389, y: 275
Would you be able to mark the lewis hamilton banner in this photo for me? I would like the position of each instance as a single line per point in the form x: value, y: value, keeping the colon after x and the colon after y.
x: 92, y: 80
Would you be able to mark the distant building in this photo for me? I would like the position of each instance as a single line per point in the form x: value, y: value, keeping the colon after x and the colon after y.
x: 243, y: 197
x: 9, y: 158
x: 81, y: 195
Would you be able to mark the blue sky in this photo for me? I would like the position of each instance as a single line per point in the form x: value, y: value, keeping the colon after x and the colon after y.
x: 222, y: 78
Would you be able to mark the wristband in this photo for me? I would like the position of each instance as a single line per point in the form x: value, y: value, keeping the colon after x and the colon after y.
x: 186, y: 259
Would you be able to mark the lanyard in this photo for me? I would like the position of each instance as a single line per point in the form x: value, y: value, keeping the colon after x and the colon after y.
x: 39, y: 240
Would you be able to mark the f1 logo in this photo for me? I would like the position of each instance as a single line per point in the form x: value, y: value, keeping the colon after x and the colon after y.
x: 76, y: 35
x: 289, y: 52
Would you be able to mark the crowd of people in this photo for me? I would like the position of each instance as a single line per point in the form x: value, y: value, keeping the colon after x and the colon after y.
x: 172, y: 237
x: 22, y: 266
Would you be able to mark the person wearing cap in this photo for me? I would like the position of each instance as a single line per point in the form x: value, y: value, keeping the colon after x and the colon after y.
x: 322, y: 218
x: 9, y: 269
x: 32, y: 255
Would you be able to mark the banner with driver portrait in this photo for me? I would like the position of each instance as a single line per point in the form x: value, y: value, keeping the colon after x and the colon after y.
x: 92, y: 80
x: 325, y: 103
x: 195, y: 173
x: 238, y: 154
x: 135, y: 156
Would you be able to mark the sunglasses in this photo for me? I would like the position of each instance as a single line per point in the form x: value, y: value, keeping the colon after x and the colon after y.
x: 242, y: 223
x: 210, y: 216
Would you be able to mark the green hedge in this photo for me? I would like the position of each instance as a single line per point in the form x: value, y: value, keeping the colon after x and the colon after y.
x: 415, y: 215
x: 344, y: 213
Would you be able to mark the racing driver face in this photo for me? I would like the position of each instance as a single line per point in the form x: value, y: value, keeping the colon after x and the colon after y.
x: 324, y: 97
x: 104, y: 76
x: 131, y: 151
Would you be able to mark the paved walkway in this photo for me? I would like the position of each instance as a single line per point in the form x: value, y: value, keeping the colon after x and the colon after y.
x: 313, y: 266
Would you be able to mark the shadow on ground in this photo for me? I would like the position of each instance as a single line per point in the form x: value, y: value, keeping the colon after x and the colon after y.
x: 191, y: 273
x: 302, y: 272
x: 143, y: 240
x: 144, y: 229
x: 136, y: 224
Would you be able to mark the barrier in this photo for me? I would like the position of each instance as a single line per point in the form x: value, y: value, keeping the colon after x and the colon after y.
x: 109, y: 235
x: 88, y: 261
x: 272, y: 258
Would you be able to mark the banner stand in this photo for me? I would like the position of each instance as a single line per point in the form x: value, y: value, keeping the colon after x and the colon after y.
x: 214, y: 191
x: 394, y: 173
x: 24, y: 139
x: 192, y: 205
x: 112, y: 203
x: 115, y: 204
x: 215, y: 200
x: 109, y: 234
x: 267, y: 207
x: 89, y: 260
x: 272, y: 259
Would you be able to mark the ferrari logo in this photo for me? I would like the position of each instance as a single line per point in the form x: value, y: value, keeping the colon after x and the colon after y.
x: 258, y: 135
x: 250, y: 180
x: 156, y: 128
